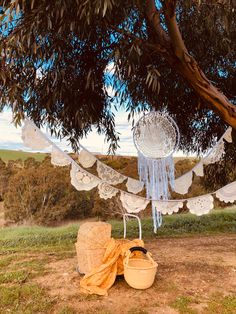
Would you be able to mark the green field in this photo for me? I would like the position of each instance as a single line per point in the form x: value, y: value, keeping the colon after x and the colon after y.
x: 36, y: 237
x: 26, y: 251
x: 6, y: 155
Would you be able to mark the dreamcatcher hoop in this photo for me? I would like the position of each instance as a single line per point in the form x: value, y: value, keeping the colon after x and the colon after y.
x: 156, y: 138
x: 156, y: 135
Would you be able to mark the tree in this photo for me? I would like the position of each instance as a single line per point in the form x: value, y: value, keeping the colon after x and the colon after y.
x: 41, y: 193
x: 55, y: 56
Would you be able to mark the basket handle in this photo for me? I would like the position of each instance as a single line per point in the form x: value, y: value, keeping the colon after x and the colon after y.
x: 138, y: 248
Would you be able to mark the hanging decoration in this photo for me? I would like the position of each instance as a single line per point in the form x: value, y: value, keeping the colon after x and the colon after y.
x: 227, y: 193
x: 133, y: 203
x: 167, y: 207
x: 183, y: 183
x: 134, y: 186
x: 200, y: 205
x: 215, y: 154
x: 32, y: 138
x: 59, y: 158
x: 81, y: 179
x: 228, y: 135
x: 156, y: 137
x: 109, y: 175
x: 106, y: 191
x: 198, y: 169
x: 86, y: 159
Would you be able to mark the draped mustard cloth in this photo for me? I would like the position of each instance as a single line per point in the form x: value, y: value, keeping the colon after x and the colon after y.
x: 101, y: 278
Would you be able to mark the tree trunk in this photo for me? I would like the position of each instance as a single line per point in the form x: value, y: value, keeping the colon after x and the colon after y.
x: 171, y: 46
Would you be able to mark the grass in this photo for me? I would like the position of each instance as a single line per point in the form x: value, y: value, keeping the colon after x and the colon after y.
x: 62, y: 239
x: 7, y: 155
x: 25, y: 251
x: 24, y: 299
x: 182, y: 304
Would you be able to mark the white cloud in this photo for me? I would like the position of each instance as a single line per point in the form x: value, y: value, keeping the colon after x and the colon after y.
x: 10, y: 136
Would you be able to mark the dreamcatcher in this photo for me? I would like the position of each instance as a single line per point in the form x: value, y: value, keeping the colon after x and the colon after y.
x: 156, y: 137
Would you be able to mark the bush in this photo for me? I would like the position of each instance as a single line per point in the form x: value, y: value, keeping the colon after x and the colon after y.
x: 43, y: 194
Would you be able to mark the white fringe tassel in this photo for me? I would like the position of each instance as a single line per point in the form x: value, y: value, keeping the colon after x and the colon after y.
x: 157, y: 175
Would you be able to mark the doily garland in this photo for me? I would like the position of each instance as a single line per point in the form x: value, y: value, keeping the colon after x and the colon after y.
x: 200, y: 205
x: 132, y: 203
x: 227, y: 193
x: 106, y: 191
x: 86, y: 159
x: 58, y: 158
x: 83, y: 180
x: 168, y: 208
x: 109, y: 175
x: 134, y: 186
x: 183, y: 183
x: 32, y: 137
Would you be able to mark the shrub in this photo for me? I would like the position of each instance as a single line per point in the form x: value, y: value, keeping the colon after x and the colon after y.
x: 43, y: 194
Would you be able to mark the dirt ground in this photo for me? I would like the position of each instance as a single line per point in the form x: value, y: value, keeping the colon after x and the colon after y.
x: 192, y: 272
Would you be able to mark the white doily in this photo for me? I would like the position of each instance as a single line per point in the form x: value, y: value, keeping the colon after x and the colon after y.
x: 215, y: 154
x: 58, y: 158
x: 183, y: 183
x: 32, y: 137
x: 106, y: 191
x: 200, y: 205
x: 228, y: 135
x: 134, y: 186
x: 156, y: 135
x: 168, y: 207
x: 198, y: 169
x: 109, y: 175
x: 82, y: 180
x: 86, y: 159
x: 133, y: 204
x: 227, y: 193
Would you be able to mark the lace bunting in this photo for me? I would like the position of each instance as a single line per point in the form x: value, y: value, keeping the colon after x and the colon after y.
x: 32, y: 137
x: 82, y: 180
x: 168, y: 207
x: 183, y: 183
x: 58, y: 158
x: 215, y: 154
x: 227, y: 193
x: 200, y: 205
x: 228, y: 135
x: 86, y: 159
x: 133, y: 204
x: 198, y: 169
x: 106, y: 191
x: 109, y: 175
x: 134, y: 186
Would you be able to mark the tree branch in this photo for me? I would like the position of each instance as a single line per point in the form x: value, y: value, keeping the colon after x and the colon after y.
x: 176, y: 54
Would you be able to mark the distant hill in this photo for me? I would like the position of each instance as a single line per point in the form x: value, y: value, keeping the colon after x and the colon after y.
x: 6, y: 155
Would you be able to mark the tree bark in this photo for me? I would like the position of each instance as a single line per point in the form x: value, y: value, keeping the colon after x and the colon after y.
x: 171, y: 46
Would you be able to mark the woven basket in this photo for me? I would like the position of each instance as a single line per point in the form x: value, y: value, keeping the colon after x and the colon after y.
x: 91, y: 245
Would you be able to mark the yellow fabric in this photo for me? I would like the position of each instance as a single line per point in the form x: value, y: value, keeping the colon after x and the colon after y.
x: 101, y: 278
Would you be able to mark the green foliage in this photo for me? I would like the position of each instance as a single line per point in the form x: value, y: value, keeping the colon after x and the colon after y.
x: 43, y: 194
x: 59, y: 60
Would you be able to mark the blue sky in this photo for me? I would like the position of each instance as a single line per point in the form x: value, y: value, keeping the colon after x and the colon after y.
x: 10, y: 136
